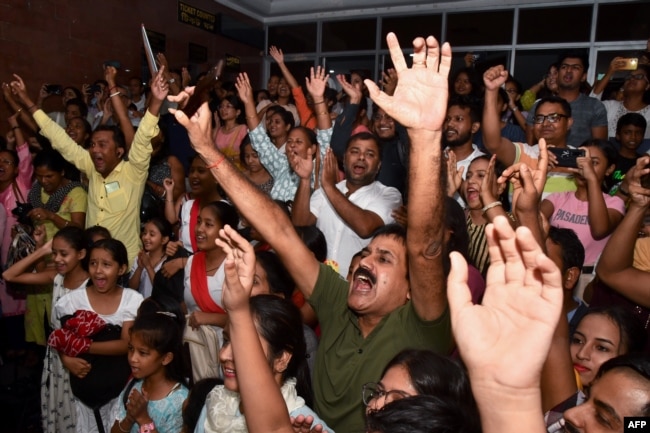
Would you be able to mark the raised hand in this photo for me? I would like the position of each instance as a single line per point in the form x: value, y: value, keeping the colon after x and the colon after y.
x: 19, y: 89
x: 317, y: 83
x: 244, y: 88
x: 110, y: 72
x: 420, y: 99
x: 199, y: 127
x: 495, y: 77
x: 505, y: 340
x: 354, y: 92
x: 239, y: 267
x: 585, y: 167
x: 528, y: 184
x: 303, y: 167
x: 489, y: 190
x: 389, y: 81
x: 277, y: 54
x: 454, y: 174
x: 159, y: 86
x: 330, y: 174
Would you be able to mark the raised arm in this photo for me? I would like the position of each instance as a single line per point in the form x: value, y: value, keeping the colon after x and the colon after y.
x: 420, y: 104
x: 259, y: 393
x: 602, y: 220
x: 300, y: 213
x: 278, y: 56
x: 316, y: 84
x: 505, y: 340
x: 617, y: 64
x: 503, y: 148
x: 615, y: 266
x: 258, y: 208
x: 245, y: 92
x: 345, y: 121
x: 21, y: 271
x: 119, y: 108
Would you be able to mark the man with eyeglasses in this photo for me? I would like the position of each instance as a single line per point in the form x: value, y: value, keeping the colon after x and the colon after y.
x: 552, y: 120
x: 589, y: 114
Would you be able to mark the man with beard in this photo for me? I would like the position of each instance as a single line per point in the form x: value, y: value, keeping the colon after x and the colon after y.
x: 589, y: 114
x: 461, y: 123
x: 347, y: 212
x: 397, y: 298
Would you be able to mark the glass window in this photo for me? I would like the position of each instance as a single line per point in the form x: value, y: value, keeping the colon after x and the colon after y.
x: 349, y: 35
x: 299, y: 69
x: 294, y: 38
x: 531, y: 66
x: 480, y: 28
x: 410, y: 27
x: 568, y: 24
x: 623, y: 21
x: 344, y: 64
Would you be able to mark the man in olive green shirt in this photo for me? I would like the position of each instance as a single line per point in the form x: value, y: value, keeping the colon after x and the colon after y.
x: 397, y: 298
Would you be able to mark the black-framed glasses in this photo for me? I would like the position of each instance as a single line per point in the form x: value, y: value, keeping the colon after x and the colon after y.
x: 637, y: 77
x: 552, y: 118
x: 371, y: 391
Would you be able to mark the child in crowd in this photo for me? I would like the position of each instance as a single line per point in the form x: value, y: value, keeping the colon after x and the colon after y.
x: 155, y: 235
x: 630, y: 130
x: 589, y: 212
x: 68, y: 249
x: 154, y: 398
x: 98, y: 369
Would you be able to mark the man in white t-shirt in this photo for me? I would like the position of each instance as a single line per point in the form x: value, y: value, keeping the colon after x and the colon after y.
x: 347, y: 212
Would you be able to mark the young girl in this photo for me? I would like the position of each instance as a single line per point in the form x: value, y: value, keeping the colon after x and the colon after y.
x: 231, y: 127
x: 154, y: 397
x: 68, y: 249
x: 482, y: 196
x: 589, y: 212
x: 155, y: 236
x: 203, y: 284
x: 102, y: 370
x: 253, y: 168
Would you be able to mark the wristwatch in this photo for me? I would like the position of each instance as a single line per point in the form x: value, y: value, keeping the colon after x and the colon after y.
x: 147, y: 428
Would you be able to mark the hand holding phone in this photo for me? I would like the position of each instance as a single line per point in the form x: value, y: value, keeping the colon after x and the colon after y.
x: 566, y: 157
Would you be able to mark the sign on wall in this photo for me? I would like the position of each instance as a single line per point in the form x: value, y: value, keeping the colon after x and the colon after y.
x: 197, y: 17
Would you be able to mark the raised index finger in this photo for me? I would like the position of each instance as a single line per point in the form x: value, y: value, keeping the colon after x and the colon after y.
x: 396, y: 53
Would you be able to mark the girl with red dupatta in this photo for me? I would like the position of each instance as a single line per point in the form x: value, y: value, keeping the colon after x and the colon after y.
x: 204, y: 276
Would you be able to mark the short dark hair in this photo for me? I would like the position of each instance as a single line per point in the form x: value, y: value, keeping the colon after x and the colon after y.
x: 315, y: 240
x: 573, y: 252
x: 365, y: 135
x: 467, y: 102
x: 51, y: 159
x: 118, y: 135
x: 555, y: 100
x: 83, y: 108
x: 634, y: 119
x: 638, y: 363
x: 574, y: 54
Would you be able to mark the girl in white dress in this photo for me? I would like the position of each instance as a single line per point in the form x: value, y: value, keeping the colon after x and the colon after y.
x: 68, y: 250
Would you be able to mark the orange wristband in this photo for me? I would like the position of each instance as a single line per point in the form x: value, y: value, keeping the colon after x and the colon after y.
x: 216, y: 164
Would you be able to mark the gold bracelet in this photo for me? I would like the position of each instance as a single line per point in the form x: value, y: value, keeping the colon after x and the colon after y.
x: 323, y: 112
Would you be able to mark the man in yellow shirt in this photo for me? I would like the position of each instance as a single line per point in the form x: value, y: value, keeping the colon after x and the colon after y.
x: 115, y: 186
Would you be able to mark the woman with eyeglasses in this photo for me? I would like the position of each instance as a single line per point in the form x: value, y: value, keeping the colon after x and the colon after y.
x: 415, y: 373
x: 231, y: 127
x: 636, y: 94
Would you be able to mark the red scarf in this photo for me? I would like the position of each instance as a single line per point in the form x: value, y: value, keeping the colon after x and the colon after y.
x: 199, y: 285
x: 194, y: 217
